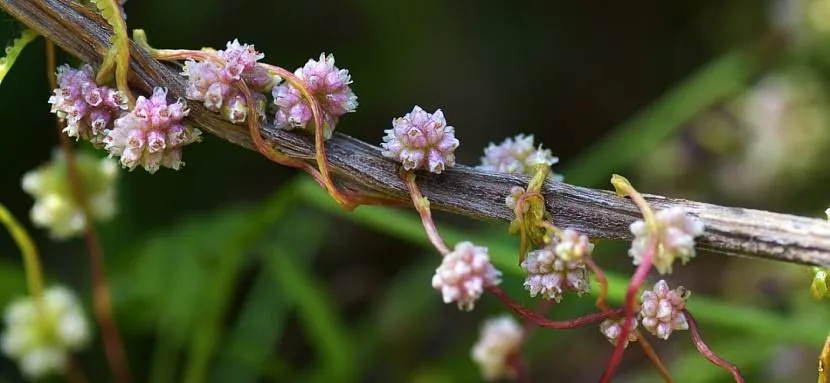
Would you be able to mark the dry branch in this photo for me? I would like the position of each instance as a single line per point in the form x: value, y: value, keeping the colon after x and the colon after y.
x: 461, y: 190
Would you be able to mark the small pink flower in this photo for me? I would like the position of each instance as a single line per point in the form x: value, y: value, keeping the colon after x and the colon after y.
x: 612, y: 329
x: 420, y: 140
x: 550, y: 275
x: 152, y: 134
x: 662, y: 310
x: 239, y: 59
x: 87, y: 109
x: 328, y: 84
x: 464, y: 274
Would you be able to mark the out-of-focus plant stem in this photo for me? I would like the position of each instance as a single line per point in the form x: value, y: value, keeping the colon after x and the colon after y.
x: 102, y: 301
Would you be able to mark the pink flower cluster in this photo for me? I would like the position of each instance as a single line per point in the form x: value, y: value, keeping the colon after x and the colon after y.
x: 87, y: 109
x: 152, y: 134
x: 420, y: 140
x: 662, y: 310
x: 212, y: 83
x: 464, y: 274
x: 328, y: 84
x: 551, y: 276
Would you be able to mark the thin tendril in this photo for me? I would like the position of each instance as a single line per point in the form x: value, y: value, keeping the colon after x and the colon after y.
x: 422, y: 206
x: 319, y: 139
x: 541, y: 321
x: 655, y: 359
x: 704, y: 349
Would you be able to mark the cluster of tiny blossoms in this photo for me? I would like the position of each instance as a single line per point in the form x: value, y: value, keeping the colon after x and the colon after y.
x: 421, y: 140
x: 328, y: 84
x: 55, y: 207
x: 551, y: 275
x: 213, y: 82
x: 39, y: 334
x: 151, y: 135
x: 86, y: 108
x: 500, y: 339
x: 463, y: 275
x: 660, y: 313
x: 662, y: 309
x: 516, y: 155
x: 674, y: 232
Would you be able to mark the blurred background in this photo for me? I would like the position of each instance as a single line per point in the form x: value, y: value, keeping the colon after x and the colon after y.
x: 237, y: 270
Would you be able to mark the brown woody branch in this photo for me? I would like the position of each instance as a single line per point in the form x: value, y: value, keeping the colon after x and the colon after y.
x: 461, y: 190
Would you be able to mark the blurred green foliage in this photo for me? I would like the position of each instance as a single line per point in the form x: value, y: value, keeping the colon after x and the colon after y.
x: 232, y: 270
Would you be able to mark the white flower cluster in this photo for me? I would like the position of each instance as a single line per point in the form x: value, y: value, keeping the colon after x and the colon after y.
x: 516, y: 155
x: 55, y: 207
x: 501, y: 337
x: 675, y: 233
x: 40, y: 341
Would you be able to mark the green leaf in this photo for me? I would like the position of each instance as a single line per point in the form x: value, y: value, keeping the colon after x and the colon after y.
x: 318, y: 316
x: 166, y: 288
x: 403, y: 313
x: 244, y: 356
x: 182, y: 279
x: 406, y: 226
x: 13, y: 51
x: 208, y: 329
x: 722, y: 78
x: 12, y: 280
x: 691, y: 367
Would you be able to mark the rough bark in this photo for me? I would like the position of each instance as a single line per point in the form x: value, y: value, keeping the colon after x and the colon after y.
x: 461, y: 190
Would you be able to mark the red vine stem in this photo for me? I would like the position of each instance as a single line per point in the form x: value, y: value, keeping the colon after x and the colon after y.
x: 517, y: 363
x: 113, y: 346
x: 704, y: 349
x: 541, y: 321
x: 630, y: 296
x: 644, y: 343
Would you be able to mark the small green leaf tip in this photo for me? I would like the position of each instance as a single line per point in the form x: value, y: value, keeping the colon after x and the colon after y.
x: 12, y: 51
x: 818, y: 287
x: 118, y: 57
